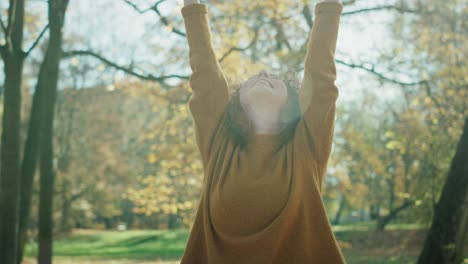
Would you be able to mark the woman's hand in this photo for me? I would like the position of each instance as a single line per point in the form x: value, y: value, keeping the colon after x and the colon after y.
x: 189, y: 2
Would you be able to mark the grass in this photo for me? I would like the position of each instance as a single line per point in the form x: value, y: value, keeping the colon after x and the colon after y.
x: 360, y: 244
x: 139, y: 244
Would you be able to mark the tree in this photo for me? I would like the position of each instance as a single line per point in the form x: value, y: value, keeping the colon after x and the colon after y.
x: 448, y: 222
x: 13, y: 57
x: 50, y: 67
x: 171, y: 190
x: 433, y: 43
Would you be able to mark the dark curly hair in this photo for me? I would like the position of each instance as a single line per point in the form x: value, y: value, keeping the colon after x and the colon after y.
x: 239, y: 126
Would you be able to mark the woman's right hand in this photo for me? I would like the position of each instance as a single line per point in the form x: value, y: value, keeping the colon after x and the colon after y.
x: 188, y: 2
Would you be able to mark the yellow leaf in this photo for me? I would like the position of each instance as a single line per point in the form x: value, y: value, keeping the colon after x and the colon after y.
x: 427, y: 100
x: 392, y: 144
x: 152, y: 158
x: 389, y: 134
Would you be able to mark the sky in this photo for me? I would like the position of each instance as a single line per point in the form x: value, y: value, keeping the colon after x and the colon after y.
x: 114, y: 29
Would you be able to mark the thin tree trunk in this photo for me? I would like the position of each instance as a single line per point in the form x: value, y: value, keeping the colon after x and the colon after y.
x: 67, y: 201
x: 29, y: 163
x: 384, y: 220
x: 439, y: 246
x: 171, y: 221
x: 13, y: 58
x: 57, y: 10
x: 337, y: 219
x: 374, y: 211
x: 66, y: 204
x: 63, y: 162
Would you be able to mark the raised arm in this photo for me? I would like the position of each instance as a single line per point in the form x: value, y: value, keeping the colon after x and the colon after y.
x: 208, y: 83
x: 318, y: 92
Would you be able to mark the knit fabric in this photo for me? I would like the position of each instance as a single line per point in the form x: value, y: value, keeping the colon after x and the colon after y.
x: 263, y: 204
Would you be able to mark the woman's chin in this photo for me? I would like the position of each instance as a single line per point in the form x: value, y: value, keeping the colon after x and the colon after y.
x: 260, y: 90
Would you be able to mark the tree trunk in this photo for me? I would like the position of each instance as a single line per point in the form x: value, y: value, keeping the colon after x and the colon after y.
x: 172, y: 221
x: 63, y: 164
x: 57, y: 10
x: 384, y: 220
x: 66, y: 204
x: 337, y: 219
x: 29, y: 163
x: 374, y: 211
x: 13, y: 58
x: 440, y: 244
x: 107, y: 223
x: 462, y: 234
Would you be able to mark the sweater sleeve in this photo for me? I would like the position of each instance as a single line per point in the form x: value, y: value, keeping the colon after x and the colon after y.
x: 208, y: 83
x: 318, y: 92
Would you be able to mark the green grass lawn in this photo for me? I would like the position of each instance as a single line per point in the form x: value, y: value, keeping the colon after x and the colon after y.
x: 360, y: 244
x: 140, y: 244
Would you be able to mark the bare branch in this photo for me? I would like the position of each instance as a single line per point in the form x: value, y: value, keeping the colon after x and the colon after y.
x: 134, y: 6
x: 3, y: 25
x: 380, y: 75
x: 425, y: 83
x: 388, y: 7
x: 280, y: 36
x: 306, y: 11
x: 3, y: 53
x: 179, y: 32
x: 252, y: 42
x: 129, y: 70
x: 81, y: 192
x: 428, y: 89
x: 36, y: 41
x: 163, y: 19
x: 307, y: 15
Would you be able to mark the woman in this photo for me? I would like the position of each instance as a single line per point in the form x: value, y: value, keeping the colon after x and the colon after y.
x: 261, y: 199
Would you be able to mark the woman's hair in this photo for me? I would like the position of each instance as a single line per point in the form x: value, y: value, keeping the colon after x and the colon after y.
x: 239, y: 126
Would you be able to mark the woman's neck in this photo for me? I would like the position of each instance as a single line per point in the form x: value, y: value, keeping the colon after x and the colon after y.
x: 265, y: 124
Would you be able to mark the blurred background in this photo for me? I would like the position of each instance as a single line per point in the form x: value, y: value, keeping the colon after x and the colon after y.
x: 98, y: 151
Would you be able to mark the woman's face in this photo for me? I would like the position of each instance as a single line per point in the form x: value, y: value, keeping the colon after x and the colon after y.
x: 263, y: 94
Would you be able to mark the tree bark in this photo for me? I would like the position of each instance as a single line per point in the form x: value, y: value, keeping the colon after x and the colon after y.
x: 63, y: 164
x: 13, y: 58
x: 462, y: 234
x: 374, y: 211
x: 51, y: 63
x: 337, y: 219
x: 384, y: 220
x: 440, y: 244
x: 171, y: 221
x: 29, y: 162
x: 66, y: 204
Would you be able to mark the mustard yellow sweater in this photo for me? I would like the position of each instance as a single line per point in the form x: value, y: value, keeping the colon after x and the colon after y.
x: 263, y: 204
